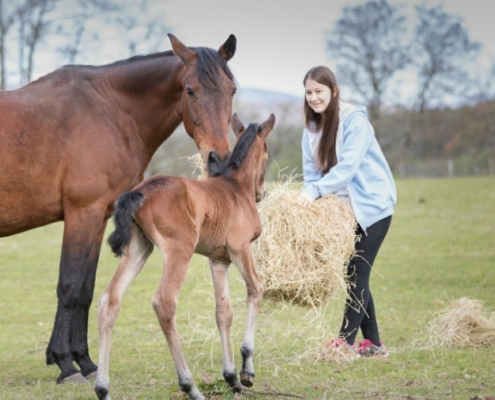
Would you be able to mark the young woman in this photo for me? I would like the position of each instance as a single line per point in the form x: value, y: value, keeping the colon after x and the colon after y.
x: 341, y: 156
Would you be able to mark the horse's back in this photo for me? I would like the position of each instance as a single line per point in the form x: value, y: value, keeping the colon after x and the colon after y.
x: 53, y: 147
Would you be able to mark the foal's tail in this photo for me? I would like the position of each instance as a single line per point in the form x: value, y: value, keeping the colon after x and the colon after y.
x: 123, y: 216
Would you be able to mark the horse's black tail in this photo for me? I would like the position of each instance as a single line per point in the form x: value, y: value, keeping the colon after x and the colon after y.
x: 123, y: 216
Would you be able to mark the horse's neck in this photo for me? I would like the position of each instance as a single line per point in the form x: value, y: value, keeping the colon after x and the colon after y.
x: 149, y: 92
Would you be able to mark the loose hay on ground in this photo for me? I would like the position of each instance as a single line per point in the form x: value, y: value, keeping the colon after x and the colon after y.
x: 302, y: 253
x: 464, y: 322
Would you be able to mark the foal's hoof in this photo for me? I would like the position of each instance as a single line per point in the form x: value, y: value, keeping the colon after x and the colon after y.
x: 74, y: 378
x: 247, y: 380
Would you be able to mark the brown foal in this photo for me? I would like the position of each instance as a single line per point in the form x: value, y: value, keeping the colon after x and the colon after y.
x: 215, y: 217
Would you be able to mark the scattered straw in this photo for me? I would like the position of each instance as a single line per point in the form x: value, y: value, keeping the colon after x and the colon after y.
x: 462, y: 323
x: 197, y: 162
x: 302, y: 253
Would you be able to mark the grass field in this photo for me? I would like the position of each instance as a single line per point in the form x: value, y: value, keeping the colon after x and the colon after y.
x: 440, y: 246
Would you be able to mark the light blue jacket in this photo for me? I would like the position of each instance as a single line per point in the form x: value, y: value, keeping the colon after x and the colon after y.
x: 361, y: 171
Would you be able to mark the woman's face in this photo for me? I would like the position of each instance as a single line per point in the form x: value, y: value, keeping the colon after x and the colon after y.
x: 318, y: 95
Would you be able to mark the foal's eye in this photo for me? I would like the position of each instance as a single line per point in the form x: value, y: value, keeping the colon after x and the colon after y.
x: 234, y: 91
x: 190, y: 92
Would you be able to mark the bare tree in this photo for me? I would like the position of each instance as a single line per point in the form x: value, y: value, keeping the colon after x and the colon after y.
x: 73, y: 27
x: 8, y: 16
x: 442, y: 50
x: 368, y: 44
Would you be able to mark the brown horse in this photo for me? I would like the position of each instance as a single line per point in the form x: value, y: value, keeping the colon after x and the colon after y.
x: 75, y: 139
x: 217, y: 218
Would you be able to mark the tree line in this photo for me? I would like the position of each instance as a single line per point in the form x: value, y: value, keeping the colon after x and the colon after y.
x: 72, y: 27
x: 371, y: 45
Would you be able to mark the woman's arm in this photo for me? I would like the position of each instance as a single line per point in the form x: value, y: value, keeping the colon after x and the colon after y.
x: 358, y: 135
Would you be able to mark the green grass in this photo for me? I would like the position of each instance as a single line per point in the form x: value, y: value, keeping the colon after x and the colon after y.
x: 440, y: 246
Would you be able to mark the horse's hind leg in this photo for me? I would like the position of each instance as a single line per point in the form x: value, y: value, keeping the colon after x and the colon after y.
x: 79, y: 339
x: 81, y: 229
x: 245, y: 263
x: 176, y: 258
x: 136, y: 254
x: 223, y: 315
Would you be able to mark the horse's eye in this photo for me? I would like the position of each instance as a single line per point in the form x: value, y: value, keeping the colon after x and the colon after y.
x: 190, y: 92
x: 234, y: 91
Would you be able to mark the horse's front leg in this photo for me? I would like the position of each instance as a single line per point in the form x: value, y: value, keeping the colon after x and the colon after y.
x: 176, y: 258
x: 79, y: 339
x: 245, y: 262
x: 130, y: 264
x: 223, y: 314
x: 80, y: 235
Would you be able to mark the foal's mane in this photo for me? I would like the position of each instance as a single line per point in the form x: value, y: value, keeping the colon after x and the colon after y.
x: 239, y: 153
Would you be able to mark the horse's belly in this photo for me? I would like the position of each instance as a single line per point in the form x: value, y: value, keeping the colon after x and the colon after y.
x: 16, y: 217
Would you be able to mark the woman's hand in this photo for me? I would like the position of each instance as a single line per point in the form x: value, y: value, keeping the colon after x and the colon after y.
x: 305, y: 199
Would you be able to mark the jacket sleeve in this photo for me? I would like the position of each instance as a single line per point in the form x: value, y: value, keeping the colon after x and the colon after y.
x: 310, y: 174
x: 358, y: 135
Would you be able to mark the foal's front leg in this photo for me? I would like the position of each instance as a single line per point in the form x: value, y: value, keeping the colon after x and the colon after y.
x: 223, y: 314
x: 245, y: 262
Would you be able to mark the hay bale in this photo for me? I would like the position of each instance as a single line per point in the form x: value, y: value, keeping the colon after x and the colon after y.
x: 302, y: 253
x: 464, y: 322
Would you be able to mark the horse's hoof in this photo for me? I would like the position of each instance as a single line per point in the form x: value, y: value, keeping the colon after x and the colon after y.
x: 74, y: 378
x: 247, y: 380
x: 91, y: 375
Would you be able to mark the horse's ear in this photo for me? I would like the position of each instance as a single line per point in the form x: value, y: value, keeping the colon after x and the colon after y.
x: 227, y: 50
x: 181, y: 50
x: 237, y: 125
x: 266, y: 127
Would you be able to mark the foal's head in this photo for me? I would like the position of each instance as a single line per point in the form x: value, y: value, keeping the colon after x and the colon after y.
x: 252, y: 140
x: 209, y: 89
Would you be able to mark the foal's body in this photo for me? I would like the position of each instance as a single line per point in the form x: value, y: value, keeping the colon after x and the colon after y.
x: 74, y: 140
x: 217, y: 218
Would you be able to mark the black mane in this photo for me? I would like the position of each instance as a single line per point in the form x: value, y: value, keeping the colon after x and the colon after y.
x: 238, y: 155
x: 208, y: 67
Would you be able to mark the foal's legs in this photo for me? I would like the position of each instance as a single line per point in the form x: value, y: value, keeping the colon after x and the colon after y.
x: 79, y: 339
x: 81, y: 229
x: 130, y: 264
x: 176, y: 258
x: 244, y: 261
x: 223, y: 314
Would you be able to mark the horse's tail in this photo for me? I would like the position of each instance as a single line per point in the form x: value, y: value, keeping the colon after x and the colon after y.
x: 123, y: 216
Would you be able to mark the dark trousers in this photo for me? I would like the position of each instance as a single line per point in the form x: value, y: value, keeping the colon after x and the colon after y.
x: 360, y: 309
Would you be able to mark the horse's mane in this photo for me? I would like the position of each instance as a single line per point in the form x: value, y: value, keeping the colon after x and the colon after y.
x: 208, y: 66
x: 239, y: 153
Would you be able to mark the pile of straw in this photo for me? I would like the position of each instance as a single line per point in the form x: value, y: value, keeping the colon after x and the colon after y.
x: 463, y: 322
x: 302, y: 253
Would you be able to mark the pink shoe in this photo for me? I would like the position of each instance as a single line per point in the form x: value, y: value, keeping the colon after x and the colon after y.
x: 367, y: 349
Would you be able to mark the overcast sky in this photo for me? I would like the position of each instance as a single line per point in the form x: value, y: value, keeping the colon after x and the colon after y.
x: 278, y: 41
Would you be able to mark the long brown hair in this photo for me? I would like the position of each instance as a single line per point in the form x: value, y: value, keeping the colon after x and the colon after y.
x: 327, y: 121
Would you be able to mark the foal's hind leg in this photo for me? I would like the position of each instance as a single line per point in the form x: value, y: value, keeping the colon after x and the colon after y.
x: 176, y: 258
x: 136, y: 254
x: 223, y: 314
x: 244, y: 261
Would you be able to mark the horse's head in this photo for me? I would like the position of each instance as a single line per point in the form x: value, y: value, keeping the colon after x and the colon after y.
x: 208, y: 91
x: 259, y: 150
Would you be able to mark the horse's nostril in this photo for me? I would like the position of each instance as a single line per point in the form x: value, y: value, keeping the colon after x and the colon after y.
x: 213, y: 158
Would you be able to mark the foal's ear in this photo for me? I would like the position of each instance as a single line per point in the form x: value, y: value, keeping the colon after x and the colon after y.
x: 237, y: 125
x: 266, y: 127
x: 181, y: 50
x: 227, y: 50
